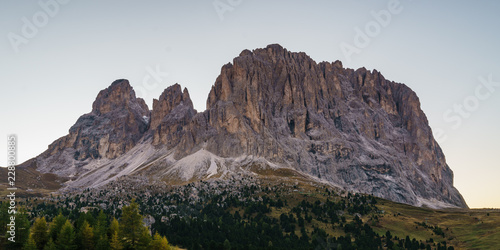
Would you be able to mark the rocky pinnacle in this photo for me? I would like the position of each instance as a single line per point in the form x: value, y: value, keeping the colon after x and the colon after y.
x: 350, y: 128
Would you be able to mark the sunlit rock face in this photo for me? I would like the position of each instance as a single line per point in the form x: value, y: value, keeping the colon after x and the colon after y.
x: 350, y: 128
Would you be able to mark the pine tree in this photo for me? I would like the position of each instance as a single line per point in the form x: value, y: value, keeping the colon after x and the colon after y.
x: 102, y: 243
x: 50, y: 245
x: 30, y: 244
x: 56, y: 225
x: 114, y: 227
x: 86, y: 236
x: 39, y: 232
x: 159, y: 243
x: 227, y: 245
x: 100, y: 234
x: 84, y: 217
x: 66, y: 238
x: 144, y: 239
x: 115, y: 243
x: 131, y: 226
x: 101, y: 225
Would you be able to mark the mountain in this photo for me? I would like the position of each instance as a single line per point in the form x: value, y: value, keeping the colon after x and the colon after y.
x: 270, y: 111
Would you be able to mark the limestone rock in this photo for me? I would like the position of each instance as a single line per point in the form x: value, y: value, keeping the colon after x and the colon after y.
x: 351, y: 128
x: 117, y: 122
x: 170, y: 114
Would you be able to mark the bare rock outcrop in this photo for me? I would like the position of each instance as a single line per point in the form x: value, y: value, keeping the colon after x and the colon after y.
x: 170, y: 115
x: 351, y: 128
x: 117, y: 122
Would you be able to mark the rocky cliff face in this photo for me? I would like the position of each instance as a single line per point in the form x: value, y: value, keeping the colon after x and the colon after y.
x: 117, y: 122
x: 171, y: 113
x: 351, y: 128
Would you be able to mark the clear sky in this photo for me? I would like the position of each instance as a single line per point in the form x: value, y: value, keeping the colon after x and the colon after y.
x: 55, y: 56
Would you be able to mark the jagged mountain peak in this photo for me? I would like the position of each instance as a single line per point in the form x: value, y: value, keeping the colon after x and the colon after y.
x: 350, y: 127
x: 118, y: 95
x: 269, y: 108
x: 170, y: 114
x: 117, y: 122
x: 168, y: 100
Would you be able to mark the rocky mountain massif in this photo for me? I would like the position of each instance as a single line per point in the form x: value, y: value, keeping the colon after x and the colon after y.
x: 270, y: 110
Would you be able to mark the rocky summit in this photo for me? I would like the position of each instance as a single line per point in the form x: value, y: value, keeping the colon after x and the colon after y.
x: 269, y: 110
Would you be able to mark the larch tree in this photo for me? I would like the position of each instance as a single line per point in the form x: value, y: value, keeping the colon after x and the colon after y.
x: 131, y: 226
x: 114, y: 227
x: 40, y: 233
x: 66, y: 238
x: 30, y: 244
x: 50, y: 245
x: 144, y: 239
x: 87, y: 236
x: 101, y: 225
x: 56, y: 225
x: 159, y: 243
x: 115, y: 243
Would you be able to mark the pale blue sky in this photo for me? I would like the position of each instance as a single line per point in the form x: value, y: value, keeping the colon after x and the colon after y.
x: 439, y: 49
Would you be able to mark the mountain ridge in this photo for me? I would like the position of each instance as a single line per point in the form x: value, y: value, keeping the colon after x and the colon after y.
x: 278, y: 109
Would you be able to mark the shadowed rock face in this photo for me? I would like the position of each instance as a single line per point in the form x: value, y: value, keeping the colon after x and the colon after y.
x: 171, y: 113
x: 352, y: 128
x: 117, y: 122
